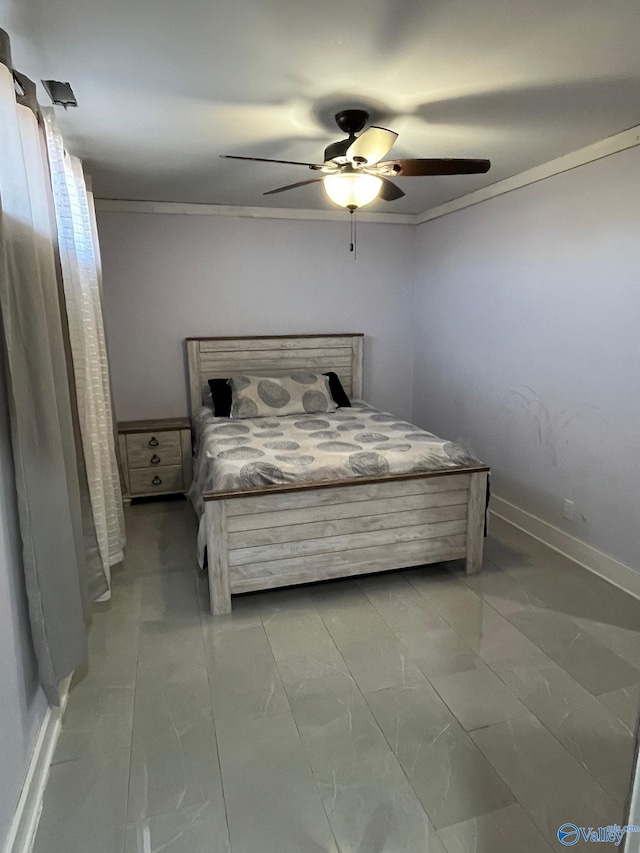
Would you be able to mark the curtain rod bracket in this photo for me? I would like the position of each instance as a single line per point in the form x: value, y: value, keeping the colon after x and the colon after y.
x: 61, y: 94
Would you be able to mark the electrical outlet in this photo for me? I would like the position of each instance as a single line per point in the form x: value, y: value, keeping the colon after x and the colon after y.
x: 568, y: 508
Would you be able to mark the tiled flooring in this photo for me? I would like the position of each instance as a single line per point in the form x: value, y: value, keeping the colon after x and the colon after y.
x: 413, y: 712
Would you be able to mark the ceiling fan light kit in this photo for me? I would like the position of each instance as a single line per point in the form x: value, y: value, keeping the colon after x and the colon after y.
x: 352, y: 189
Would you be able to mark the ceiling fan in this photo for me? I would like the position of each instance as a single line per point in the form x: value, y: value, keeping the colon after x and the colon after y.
x: 354, y: 173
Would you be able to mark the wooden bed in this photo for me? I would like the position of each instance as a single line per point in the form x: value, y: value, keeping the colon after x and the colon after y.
x: 276, y: 536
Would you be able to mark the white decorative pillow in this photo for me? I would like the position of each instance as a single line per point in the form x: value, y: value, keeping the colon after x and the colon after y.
x: 299, y: 393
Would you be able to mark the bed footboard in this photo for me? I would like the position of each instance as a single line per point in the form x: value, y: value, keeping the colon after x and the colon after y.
x: 280, y: 537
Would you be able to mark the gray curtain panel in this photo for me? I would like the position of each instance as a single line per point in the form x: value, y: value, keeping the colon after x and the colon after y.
x: 93, y: 582
x: 54, y: 530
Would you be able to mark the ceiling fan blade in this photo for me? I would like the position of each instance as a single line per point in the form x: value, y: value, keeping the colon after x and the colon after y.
x: 372, y: 145
x: 390, y: 191
x: 434, y: 166
x: 336, y: 149
x: 269, y: 160
x: 293, y: 186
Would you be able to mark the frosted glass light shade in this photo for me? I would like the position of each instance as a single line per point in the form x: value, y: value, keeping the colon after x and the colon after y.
x: 352, y: 190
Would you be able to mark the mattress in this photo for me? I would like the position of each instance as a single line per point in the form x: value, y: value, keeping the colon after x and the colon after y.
x: 361, y: 441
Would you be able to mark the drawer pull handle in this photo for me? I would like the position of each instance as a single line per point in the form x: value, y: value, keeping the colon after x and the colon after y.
x: 156, y: 481
x: 155, y: 460
x: 153, y: 442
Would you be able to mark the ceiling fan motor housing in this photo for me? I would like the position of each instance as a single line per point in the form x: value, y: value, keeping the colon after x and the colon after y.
x: 352, y: 121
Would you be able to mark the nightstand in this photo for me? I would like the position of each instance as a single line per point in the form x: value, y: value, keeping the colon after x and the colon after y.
x: 155, y: 457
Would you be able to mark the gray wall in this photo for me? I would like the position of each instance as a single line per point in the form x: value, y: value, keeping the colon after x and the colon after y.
x: 170, y: 277
x: 527, y: 345
x: 22, y: 702
x: 522, y: 331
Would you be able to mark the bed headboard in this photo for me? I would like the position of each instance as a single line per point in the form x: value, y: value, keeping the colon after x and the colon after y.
x: 211, y: 358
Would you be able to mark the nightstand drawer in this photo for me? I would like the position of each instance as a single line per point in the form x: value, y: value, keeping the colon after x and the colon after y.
x: 143, y: 446
x: 146, y: 481
x: 152, y: 457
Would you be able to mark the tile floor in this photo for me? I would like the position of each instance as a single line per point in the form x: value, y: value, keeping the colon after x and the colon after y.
x: 414, y: 712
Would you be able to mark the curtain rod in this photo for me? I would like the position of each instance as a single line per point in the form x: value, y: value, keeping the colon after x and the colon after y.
x: 28, y: 97
x: 5, y: 49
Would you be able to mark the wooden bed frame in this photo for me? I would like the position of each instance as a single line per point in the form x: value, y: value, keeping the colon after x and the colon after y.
x: 276, y: 536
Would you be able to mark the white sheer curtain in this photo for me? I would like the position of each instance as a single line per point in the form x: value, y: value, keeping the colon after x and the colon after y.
x: 81, y: 280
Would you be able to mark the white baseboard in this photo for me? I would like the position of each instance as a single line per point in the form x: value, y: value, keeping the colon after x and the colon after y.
x: 22, y: 831
x: 612, y: 570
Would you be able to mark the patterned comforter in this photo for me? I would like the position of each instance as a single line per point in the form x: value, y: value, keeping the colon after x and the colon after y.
x: 233, y: 455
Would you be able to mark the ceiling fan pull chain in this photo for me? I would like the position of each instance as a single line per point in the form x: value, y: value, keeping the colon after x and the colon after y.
x: 352, y: 223
x: 355, y: 236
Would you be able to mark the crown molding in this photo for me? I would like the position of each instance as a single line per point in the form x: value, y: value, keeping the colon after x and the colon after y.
x: 590, y: 153
x: 115, y: 205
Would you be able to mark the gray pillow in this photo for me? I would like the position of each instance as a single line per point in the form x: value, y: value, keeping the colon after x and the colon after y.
x: 301, y: 392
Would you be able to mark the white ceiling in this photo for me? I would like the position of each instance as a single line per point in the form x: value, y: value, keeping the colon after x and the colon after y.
x: 165, y: 86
